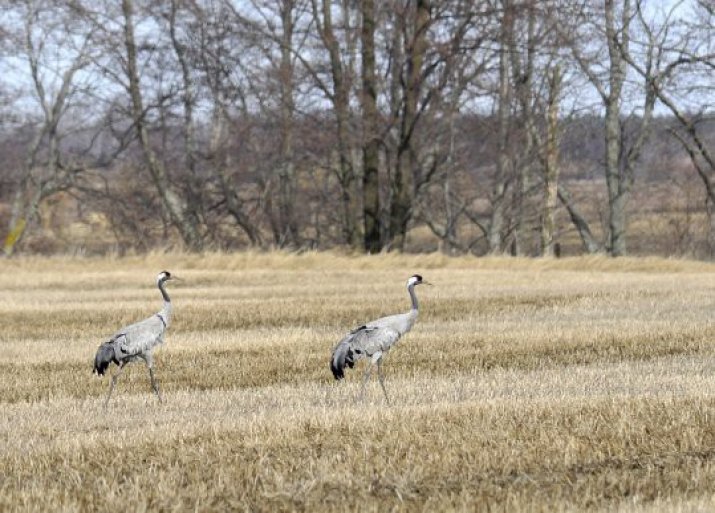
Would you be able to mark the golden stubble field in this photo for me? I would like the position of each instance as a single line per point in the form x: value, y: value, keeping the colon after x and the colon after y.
x: 526, y: 385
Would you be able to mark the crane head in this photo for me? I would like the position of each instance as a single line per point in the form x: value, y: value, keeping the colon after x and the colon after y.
x: 416, y: 279
x: 164, y: 276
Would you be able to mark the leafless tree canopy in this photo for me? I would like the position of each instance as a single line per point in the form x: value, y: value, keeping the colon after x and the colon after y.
x: 528, y: 127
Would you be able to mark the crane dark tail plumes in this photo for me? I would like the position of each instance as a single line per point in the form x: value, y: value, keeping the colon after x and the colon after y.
x: 103, y: 358
x: 342, y: 357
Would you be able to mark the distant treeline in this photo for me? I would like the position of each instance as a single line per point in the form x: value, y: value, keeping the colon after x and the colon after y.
x: 494, y: 126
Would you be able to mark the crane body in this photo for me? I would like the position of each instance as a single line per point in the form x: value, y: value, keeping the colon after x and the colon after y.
x: 136, y: 342
x: 374, y: 339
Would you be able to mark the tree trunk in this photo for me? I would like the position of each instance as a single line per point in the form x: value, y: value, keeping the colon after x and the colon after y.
x: 341, y: 105
x: 499, y: 193
x: 522, y: 77
x: 371, y: 143
x: 173, y: 203
x: 286, y: 179
x: 551, y: 171
x: 403, y: 179
x: 450, y: 226
x: 195, y: 201
x: 617, y: 193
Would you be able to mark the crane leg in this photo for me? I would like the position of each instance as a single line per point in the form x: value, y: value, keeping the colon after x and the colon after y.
x: 381, y: 378
x: 365, y: 379
x: 154, y: 384
x: 113, y: 383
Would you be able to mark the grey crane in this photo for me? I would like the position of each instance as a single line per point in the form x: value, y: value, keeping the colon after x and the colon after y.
x: 374, y: 339
x: 136, y: 341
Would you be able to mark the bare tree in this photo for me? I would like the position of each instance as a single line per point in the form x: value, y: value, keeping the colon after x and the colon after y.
x: 286, y: 177
x: 676, y: 47
x: 371, y: 142
x: 48, y: 167
x: 341, y: 73
x: 175, y: 205
x: 403, y: 184
x: 617, y: 38
x: 194, y: 201
x: 427, y: 42
x: 551, y: 168
x: 523, y: 78
x: 273, y: 30
x: 503, y: 176
x: 620, y: 158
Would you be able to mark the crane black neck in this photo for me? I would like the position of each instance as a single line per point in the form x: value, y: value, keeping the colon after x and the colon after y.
x: 163, y: 291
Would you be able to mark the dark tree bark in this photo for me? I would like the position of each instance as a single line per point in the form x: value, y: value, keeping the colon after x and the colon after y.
x: 523, y: 79
x: 503, y: 171
x: 371, y: 142
x: 403, y: 184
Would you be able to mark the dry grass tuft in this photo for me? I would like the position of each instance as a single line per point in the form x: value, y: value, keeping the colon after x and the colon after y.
x: 527, y: 385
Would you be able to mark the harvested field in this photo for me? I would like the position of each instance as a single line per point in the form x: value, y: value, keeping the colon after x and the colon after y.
x: 526, y: 385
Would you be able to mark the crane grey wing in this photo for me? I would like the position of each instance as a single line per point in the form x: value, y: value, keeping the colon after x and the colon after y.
x: 139, y: 338
x: 360, y: 343
x: 372, y: 339
x: 122, y: 345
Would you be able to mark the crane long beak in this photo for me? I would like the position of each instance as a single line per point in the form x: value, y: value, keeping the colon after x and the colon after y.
x: 427, y: 283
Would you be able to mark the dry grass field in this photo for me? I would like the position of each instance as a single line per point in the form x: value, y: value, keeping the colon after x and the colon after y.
x: 526, y: 385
